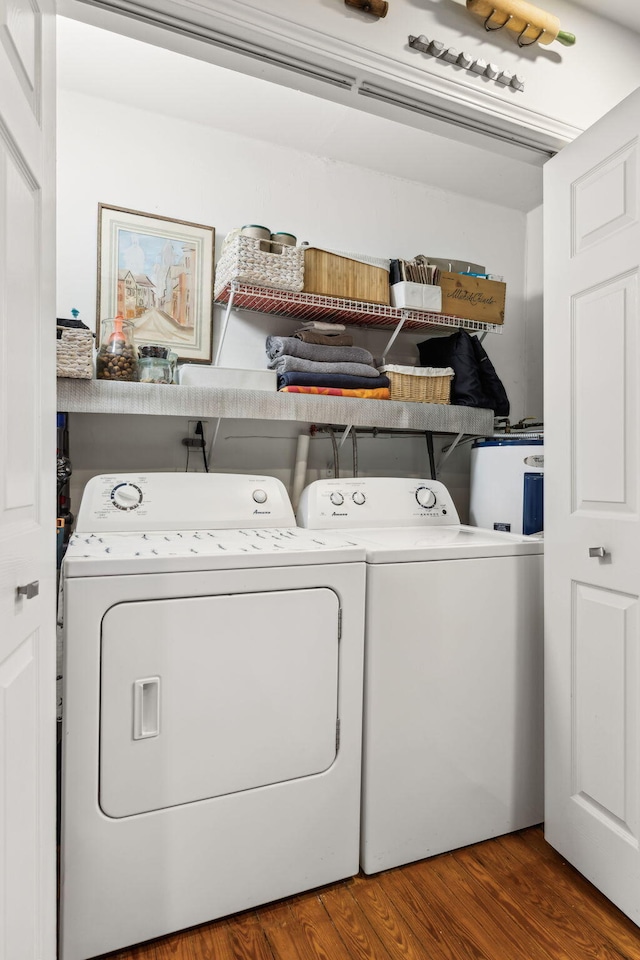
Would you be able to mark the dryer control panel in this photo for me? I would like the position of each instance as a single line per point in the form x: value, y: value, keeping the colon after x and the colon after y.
x: 182, y: 501
x: 376, y: 502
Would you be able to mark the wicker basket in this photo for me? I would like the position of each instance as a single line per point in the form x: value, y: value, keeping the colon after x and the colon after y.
x: 260, y: 262
x: 419, y: 384
x: 74, y: 354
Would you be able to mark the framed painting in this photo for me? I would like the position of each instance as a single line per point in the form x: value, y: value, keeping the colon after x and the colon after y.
x: 158, y: 273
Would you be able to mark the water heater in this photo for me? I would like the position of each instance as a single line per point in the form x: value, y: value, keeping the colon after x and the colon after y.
x: 507, y: 483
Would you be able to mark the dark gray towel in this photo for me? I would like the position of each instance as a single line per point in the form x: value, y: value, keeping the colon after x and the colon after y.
x: 292, y: 364
x: 292, y: 347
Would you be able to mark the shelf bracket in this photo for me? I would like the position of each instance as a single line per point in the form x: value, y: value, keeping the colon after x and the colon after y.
x: 445, y: 456
x: 404, y: 315
x: 225, y: 324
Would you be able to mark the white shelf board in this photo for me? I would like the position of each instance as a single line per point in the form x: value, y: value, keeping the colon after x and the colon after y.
x: 150, y: 399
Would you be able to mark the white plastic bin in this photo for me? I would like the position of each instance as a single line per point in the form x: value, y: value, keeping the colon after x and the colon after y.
x: 507, y: 477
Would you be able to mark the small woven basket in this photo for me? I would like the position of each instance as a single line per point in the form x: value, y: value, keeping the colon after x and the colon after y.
x: 74, y: 354
x: 419, y: 384
x: 260, y: 262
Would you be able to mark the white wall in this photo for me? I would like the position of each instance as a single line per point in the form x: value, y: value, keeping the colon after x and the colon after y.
x: 534, y: 316
x: 210, y: 95
x: 101, y: 443
x: 117, y: 155
x: 127, y: 157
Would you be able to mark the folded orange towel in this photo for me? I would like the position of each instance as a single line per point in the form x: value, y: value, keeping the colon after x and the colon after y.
x: 381, y: 393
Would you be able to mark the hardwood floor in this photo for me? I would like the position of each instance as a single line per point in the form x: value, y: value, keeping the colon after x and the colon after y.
x: 513, y: 898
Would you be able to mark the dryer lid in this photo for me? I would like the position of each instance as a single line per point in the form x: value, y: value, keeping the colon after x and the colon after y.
x: 91, y: 555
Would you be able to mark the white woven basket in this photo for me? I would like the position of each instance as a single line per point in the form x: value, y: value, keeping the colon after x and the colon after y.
x: 247, y: 260
x: 74, y: 354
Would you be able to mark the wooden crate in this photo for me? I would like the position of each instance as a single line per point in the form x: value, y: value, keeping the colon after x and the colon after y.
x: 472, y: 298
x: 335, y: 276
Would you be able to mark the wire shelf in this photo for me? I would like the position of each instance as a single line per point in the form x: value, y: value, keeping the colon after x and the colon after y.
x: 313, y: 306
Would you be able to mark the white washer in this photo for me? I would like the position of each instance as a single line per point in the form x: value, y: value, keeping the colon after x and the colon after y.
x: 453, y: 722
x: 212, y: 709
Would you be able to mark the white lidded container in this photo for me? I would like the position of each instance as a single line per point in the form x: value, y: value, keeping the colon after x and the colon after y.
x: 507, y: 483
x: 205, y: 375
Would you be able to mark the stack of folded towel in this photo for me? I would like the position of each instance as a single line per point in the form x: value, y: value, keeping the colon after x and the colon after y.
x: 321, y: 358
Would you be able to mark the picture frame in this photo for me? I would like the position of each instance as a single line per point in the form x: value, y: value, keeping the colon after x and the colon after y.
x: 157, y: 272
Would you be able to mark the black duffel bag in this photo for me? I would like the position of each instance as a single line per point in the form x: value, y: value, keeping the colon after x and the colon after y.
x: 476, y: 383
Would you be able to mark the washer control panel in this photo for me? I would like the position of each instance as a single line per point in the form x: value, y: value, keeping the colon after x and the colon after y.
x: 376, y: 502
x: 183, y: 501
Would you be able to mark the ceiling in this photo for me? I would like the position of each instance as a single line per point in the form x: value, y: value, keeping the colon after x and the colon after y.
x: 624, y: 12
x: 107, y: 65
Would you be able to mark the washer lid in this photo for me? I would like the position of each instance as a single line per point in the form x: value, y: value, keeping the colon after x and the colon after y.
x: 104, y: 554
x: 454, y: 542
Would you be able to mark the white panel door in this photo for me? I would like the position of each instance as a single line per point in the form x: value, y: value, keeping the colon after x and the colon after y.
x: 27, y: 481
x: 592, y: 523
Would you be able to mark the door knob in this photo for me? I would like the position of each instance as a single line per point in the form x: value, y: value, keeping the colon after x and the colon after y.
x: 29, y: 590
x: 597, y: 552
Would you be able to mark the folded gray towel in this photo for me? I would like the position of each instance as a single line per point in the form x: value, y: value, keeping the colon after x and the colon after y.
x: 292, y: 347
x: 299, y: 364
x: 328, y: 340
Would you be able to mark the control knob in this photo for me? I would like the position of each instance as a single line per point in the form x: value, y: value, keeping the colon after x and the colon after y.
x: 336, y: 498
x: 358, y: 497
x: 259, y: 496
x: 126, y: 496
x: 425, y: 497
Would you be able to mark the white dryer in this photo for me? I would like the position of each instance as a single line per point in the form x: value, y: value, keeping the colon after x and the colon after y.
x: 212, y: 708
x: 453, y: 721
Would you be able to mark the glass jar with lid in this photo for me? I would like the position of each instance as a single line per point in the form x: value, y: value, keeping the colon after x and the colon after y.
x: 116, y: 358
